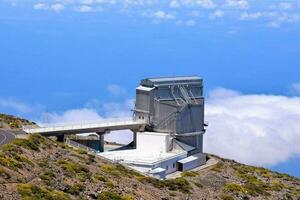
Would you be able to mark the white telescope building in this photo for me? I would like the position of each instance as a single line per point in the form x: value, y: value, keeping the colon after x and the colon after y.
x: 168, y: 126
x: 173, y: 109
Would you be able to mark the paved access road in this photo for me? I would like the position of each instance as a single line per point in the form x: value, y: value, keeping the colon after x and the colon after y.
x: 5, y: 137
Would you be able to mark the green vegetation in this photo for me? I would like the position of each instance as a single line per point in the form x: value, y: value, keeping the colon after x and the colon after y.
x: 254, y: 189
x: 189, y: 174
x: 179, y: 184
x: 47, y: 176
x: 105, y: 180
x: 62, y: 145
x: 13, y: 159
x: 91, y: 158
x: 110, y: 170
x: 75, y: 169
x: 11, y: 154
x: 227, y: 197
x: 172, y: 194
x: 32, y: 192
x: 14, y: 122
x: 119, y: 170
x: 43, y: 163
x: 101, y: 178
x: 109, y: 184
x: 9, y: 162
x: 233, y: 188
x: 253, y: 181
x: 32, y: 143
x: 199, y: 185
x: 106, y: 195
x: 285, y: 177
x: 11, y: 148
x: 80, y: 151
x: 218, y: 167
x: 76, y: 189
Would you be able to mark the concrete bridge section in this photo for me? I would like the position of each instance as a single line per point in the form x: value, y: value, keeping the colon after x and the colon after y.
x: 101, y: 128
x: 89, y: 127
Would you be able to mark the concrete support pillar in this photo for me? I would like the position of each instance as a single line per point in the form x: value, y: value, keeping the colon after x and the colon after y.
x: 134, y: 139
x: 101, y: 142
x: 60, y: 138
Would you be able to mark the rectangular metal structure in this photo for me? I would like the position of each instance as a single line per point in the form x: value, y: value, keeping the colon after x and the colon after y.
x: 173, y: 105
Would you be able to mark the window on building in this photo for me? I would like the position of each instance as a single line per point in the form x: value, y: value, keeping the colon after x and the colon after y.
x: 167, y: 168
x: 174, y: 165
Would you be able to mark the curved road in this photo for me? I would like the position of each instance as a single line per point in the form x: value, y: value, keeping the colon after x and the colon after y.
x: 5, y: 137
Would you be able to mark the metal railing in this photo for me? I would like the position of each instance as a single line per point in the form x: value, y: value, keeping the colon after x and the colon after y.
x: 45, y: 125
x: 84, y: 125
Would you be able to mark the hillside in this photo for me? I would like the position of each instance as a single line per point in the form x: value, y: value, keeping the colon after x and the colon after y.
x: 12, y: 122
x: 40, y: 168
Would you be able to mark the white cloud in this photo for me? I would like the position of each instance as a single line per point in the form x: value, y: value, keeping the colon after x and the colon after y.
x: 12, y: 104
x: 90, y: 113
x: 238, y: 4
x: 186, y: 23
x: 117, y: 110
x: 54, y: 7
x: 86, y: 1
x: 174, y: 4
x: 250, y: 128
x: 250, y: 16
x: 253, y: 129
x: 116, y: 90
x: 190, y: 22
x: 284, y: 18
x: 216, y: 14
x: 206, y: 3
x: 57, y: 7
x: 163, y: 15
x: 283, y: 12
x: 85, y: 8
x: 285, y: 5
x: 40, y: 6
x: 73, y: 115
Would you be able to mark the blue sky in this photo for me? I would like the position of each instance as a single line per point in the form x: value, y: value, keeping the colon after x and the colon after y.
x: 87, y: 56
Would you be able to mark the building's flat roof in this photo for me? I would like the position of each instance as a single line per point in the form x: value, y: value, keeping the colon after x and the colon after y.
x: 175, y: 78
x: 157, y: 170
x: 147, y: 89
x: 188, y: 159
x: 135, y: 156
x: 151, y: 82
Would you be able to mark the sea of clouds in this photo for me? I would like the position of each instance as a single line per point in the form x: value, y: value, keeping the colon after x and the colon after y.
x: 253, y: 129
x: 256, y: 129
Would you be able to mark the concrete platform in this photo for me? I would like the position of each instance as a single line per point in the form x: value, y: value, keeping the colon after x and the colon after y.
x: 209, y: 163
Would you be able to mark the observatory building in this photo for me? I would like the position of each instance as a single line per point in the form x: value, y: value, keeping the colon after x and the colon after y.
x: 173, y: 109
x: 167, y: 124
x: 174, y: 106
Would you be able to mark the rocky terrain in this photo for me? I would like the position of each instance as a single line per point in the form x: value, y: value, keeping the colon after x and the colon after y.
x: 39, y: 168
x: 12, y: 122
